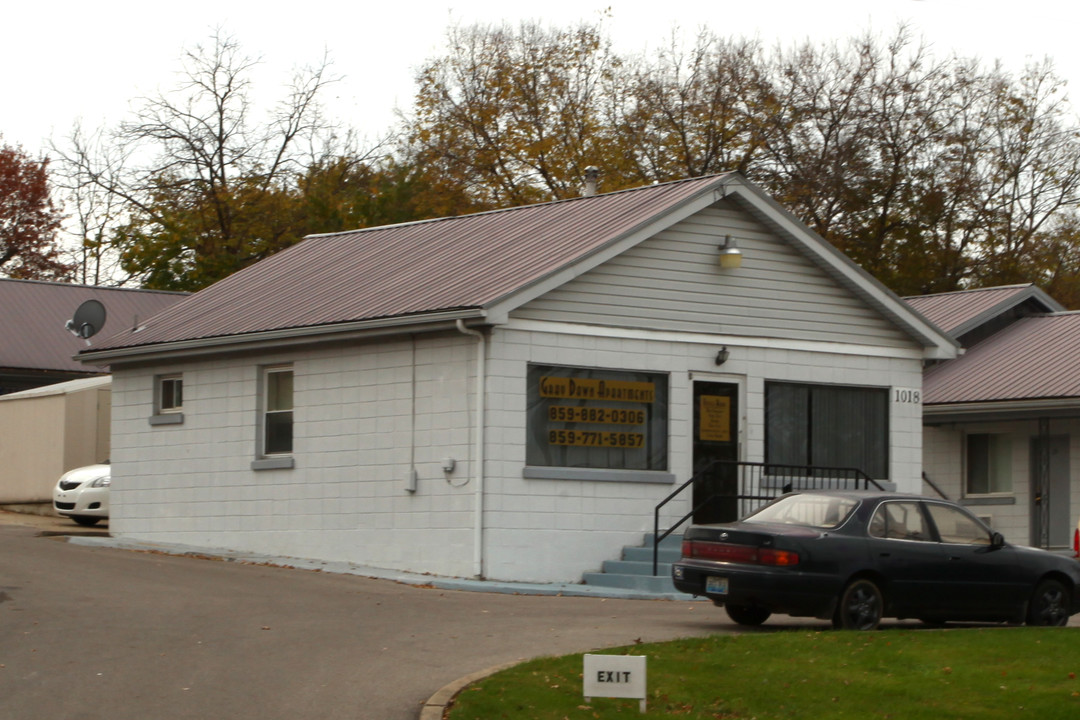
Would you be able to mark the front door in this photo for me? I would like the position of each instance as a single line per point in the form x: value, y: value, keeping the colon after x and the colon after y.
x: 716, y: 438
x: 1051, y: 524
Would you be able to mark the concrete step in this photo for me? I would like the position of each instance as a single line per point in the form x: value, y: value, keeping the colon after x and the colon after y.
x: 644, y: 554
x: 642, y: 583
x: 634, y: 570
x: 634, y: 567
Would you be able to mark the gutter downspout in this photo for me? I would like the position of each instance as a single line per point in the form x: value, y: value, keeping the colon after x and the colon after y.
x: 481, y: 421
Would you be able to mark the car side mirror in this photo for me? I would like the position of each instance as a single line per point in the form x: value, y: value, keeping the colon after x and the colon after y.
x: 997, y: 540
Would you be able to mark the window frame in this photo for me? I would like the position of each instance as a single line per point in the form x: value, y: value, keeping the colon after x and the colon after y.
x: 268, y: 458
x: 989, y: 465
x: 801, y: 429
x: 172, y: 414
x: 563, y: 459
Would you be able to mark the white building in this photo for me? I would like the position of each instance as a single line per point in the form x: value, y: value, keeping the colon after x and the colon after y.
x: 509, y: 394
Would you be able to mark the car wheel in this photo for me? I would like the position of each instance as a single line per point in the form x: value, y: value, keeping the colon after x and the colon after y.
x: 861, y: 606
x: 86, y: 520
x: 1049, y: 604
x: 747, y: 614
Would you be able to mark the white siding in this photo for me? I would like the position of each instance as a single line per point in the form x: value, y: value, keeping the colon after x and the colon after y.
x: 673, y: 282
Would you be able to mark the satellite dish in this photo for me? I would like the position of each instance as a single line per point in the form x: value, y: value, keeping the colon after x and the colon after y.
x: 88, y: 319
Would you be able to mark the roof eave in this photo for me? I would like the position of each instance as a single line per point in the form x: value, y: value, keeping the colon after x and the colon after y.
x: 285, y: 337
x: 1000, y: 410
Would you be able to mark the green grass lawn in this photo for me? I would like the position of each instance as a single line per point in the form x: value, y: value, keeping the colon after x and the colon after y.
x: 904, y: 674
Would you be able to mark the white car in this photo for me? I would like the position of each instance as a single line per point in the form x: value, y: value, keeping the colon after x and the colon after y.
x: 82, y: 494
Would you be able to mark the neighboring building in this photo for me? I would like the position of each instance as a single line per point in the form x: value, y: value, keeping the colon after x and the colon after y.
x: 1003, y: 420
x: 46, y: 431
x: 508, y: 394
x: 35, y: 347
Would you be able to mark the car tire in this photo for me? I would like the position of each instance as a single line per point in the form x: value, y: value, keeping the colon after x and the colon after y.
x: 747, y: 614
x: 1049, y: 605
x: 861, y: 606
x: 86, y: 520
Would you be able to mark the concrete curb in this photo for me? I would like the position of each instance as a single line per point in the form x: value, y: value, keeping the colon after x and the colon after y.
x: 435, y: 706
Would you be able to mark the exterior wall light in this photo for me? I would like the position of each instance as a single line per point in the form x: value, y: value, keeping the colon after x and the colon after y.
x: 730, y: 254
x: 722, y: 356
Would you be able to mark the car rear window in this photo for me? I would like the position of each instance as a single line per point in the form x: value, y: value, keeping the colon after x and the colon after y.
x: 819, y: 511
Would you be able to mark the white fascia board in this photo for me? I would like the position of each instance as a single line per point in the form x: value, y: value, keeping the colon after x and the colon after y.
x: 277, y: 339
x: 498, y: 311
x: 734, y: 341
x: 936, y: 343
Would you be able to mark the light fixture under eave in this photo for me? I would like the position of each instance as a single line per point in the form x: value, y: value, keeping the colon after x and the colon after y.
x: 730, y: 254
x: 722, y: 356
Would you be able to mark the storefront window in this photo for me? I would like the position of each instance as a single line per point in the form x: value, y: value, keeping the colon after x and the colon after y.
x: 836, y: 426
x: 592, y: 418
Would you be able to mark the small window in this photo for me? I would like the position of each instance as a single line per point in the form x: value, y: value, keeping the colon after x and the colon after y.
x: 277, y: 423
x: 168, y: 400
x: 989, y: 464
x: 172, y: 393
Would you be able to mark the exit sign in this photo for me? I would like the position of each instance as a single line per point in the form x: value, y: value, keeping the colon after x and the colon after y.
x: 615, y: 676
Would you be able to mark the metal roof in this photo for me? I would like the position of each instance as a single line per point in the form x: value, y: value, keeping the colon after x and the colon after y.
x: 33, y: 314
x: 952, y: 310
x: 1034, y: 358
x: 417, y: 268
x: 434, y: 273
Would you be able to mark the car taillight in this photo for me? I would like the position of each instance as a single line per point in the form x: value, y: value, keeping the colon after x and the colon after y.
x: 746, y: 554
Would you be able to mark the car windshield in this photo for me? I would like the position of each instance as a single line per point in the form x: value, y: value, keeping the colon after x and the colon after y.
x: 820, y: 511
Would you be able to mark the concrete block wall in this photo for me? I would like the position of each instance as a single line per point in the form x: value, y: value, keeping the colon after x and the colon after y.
x: 356, y: 434
x: 364, y: 414
x: 1010, y: 513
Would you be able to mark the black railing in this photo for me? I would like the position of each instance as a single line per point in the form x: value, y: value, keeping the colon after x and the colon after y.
x: 752, y: 485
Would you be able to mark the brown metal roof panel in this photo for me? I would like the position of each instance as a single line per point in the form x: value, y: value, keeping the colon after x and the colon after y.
x: 32, y: 323
x: 1033, y: 358
x: 399, y: 270
x: 951, y: 310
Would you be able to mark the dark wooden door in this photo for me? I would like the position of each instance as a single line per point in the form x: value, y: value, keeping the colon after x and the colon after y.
x: 716, y: 438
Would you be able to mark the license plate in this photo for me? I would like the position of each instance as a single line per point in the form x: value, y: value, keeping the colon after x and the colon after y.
x: 716, y: 585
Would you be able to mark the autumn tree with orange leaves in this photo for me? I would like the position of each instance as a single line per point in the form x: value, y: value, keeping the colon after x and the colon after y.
x: 28, y: 219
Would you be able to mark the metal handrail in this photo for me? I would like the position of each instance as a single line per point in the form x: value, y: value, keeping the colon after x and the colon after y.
x: 928, y: 481
x: 805, y: 472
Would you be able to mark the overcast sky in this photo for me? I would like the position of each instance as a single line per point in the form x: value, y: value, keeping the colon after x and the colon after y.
x: 67, y: 61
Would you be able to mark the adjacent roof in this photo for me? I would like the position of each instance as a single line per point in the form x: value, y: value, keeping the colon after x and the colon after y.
x: 34, y: 313
x: 1032, y: 359
x: 62, y: 388
x: 475, y: 267
x: 960, y: 311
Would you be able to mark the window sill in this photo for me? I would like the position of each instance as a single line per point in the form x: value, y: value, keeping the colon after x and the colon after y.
x: 167, y: 419
x: 600, y: 474
x: 273, y: 463
x: 988, y: 500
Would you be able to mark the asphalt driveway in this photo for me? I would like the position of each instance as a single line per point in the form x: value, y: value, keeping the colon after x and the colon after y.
x: 93, y: 632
